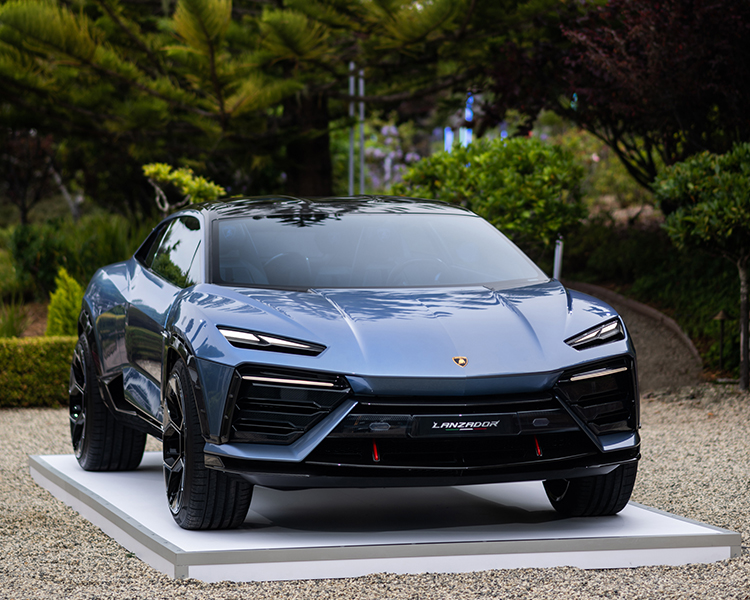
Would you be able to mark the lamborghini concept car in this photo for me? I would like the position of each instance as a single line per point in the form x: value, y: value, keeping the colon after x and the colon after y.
x: 352, y: 342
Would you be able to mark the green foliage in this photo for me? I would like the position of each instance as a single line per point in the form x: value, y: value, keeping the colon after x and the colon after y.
x: 711, y: 195
x: 9, y: 284
x: 604, y: 173
x: 13, y: 318
x: 691, y: 287
x: 35, y: 371
x: 193, y: 188
x: 39, y: 250
x: 527, y: 189
x: 64, y: 306
x: 235, y: 92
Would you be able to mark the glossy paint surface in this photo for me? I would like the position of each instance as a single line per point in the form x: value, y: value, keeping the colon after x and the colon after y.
x: 385, y: 341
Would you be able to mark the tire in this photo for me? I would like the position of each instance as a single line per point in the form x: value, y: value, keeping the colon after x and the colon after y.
x: 593, y: 496
x: 198, y: 497
x: 100, y: 442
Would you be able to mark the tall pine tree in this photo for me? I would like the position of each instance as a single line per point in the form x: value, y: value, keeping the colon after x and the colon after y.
x: 223, y: 87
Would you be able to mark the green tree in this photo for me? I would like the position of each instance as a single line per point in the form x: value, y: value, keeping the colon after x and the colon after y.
x: 712, y: 193
x: 527, y: 189
x: 657, y: 81
x: 229, y: 89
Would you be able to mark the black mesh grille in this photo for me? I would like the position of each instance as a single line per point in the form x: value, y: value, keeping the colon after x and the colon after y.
x: 276, y: 406
x: 607, y: 403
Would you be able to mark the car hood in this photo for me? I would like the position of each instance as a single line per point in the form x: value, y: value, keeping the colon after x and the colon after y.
x: 401, y: 332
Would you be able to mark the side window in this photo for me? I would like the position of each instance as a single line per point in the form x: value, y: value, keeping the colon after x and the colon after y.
x: 176, y: 256
x: 145, y: 253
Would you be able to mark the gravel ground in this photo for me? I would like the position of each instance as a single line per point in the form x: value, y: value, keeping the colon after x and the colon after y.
x: 696, y: 463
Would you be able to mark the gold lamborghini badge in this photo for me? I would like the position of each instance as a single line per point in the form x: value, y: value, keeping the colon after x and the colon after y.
x: 461, y: 361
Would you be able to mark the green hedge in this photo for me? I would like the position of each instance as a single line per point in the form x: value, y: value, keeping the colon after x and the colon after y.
x: 35, y: 371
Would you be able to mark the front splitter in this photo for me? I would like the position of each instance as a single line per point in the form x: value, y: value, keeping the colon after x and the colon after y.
x: 319, y: 534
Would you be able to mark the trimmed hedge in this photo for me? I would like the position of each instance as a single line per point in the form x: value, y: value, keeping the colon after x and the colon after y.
x: 35, y: 371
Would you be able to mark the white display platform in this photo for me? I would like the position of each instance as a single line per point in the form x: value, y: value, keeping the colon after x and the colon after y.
x: 315, y: 534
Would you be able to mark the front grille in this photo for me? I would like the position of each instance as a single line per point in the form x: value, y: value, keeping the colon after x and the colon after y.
x: 413, y: 416
x: 277, y: 406
x: 607, y: 403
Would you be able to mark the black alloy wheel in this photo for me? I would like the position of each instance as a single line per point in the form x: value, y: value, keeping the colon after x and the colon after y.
x: 100, y: 442
x: 77, y: 393
x: 198, y: 497
x: 173, y: 438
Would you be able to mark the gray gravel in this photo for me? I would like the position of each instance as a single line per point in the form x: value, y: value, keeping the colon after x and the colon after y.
x: 696, y: 463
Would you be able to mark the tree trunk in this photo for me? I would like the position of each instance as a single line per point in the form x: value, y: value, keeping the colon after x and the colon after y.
x: 744, y: 339
x: 309, y: 171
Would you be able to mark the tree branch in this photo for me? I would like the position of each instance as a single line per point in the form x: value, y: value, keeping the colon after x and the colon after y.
x: 137, y: 40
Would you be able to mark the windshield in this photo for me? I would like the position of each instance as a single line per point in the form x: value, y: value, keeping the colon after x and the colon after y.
x: 366, y: 251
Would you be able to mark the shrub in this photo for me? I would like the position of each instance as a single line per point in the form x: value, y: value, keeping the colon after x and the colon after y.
x: 691, y: 287
x: 64, y: 306
x: 35, y: 371
x: 39, y: 250
x: 9, y: 284
x: 527, y: 189
x: 13, y: 318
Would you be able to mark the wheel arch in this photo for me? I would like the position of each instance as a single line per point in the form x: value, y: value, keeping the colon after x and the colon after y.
x: 175, y: 349
x: 86, y: 327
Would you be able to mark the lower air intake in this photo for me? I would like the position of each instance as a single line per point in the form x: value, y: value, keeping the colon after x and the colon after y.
x: 277, y: 406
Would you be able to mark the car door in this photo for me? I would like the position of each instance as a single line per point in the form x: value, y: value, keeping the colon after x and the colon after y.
x: 173, y: 262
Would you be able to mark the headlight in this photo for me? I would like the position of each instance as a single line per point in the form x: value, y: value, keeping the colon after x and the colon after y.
x: 611, y: 331
x: 271, y: 343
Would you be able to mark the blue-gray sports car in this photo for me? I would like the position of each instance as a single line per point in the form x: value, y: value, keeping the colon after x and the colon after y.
x: 350, y: 342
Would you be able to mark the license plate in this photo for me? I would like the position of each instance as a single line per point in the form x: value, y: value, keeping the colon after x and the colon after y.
x: 466, y: 425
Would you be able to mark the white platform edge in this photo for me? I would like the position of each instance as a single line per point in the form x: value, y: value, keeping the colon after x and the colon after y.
x: 353, y: 561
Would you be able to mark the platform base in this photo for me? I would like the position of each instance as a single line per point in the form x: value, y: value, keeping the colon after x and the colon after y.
x: 317, y: 534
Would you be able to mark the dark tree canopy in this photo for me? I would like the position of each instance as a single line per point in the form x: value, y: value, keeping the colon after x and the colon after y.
x: 241, y: 91
x: 657, y: 81
x: 26, y: 168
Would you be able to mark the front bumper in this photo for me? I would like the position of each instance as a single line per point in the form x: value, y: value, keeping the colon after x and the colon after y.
x: 295, y: 429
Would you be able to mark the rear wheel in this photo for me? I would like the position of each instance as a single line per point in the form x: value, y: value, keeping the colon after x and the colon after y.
x: 593, y: 496
x: 198, y: 497
x: 100, y: 442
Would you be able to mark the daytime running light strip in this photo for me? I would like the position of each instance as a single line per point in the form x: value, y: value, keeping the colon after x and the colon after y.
x: 593, y: 374
x: 291, y: 381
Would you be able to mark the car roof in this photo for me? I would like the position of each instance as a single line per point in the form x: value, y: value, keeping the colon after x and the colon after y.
x: 273, y: 206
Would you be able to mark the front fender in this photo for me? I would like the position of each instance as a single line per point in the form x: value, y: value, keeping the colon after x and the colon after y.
x: 210, y: 380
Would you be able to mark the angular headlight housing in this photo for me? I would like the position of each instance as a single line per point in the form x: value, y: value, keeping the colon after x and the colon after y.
x: 610, y: 331
x: 272, y: 343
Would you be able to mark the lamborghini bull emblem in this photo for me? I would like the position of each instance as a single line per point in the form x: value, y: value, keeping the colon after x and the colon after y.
x: 461, y: 361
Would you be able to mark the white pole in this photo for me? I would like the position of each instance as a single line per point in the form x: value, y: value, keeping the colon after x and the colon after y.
x: 361, y: 132
x: 351, y: 129
x: 557, y: 269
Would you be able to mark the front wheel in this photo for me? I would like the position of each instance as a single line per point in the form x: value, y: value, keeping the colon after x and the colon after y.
x: 198, y: 497
x: 593, y: 496
x: 100, y: 442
